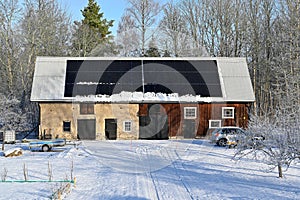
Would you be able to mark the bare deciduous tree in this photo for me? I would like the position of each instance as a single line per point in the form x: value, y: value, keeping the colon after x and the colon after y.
x: 43, y: 30
x: 174, y: 35
x: 144, y: 13
x: 10, y: 46
x: 127, y: 36
x: 278, y: 144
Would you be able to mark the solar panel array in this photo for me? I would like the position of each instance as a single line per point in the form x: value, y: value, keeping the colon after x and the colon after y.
x: 108, y: 77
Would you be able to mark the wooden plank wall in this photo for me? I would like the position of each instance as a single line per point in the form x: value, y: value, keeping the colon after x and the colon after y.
x: 214, y: 112
x: 205, y: 112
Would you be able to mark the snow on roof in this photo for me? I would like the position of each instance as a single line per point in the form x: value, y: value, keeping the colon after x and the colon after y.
x: 235, y: 80
x: 50, y: 81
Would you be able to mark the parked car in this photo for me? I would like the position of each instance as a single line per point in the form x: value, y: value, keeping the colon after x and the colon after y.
x: 230, y: 136
x: 47, y: 145
x: 227, y: 136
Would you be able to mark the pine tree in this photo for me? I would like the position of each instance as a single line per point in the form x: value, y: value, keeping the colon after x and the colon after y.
x: 166, y: 54
x: 152, y: 52
x: 94, y: 19
x: 91, y: 31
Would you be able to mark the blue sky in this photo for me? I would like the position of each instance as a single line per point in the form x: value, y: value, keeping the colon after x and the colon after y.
x: 112, y: 9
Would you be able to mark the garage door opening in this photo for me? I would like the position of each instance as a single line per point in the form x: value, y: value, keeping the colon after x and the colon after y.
x: 86, y: 129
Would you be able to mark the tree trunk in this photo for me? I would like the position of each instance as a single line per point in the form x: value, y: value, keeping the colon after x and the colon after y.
x: 279, y: 170
x: 3, y: 141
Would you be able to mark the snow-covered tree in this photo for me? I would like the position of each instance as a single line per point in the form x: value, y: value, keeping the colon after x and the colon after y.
x: 11, y: 117
x: 43, y: 30
x: 127, y: 36
x: 275, y: 137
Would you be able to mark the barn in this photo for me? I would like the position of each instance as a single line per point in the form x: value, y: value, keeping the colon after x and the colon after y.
x: 97, y: 98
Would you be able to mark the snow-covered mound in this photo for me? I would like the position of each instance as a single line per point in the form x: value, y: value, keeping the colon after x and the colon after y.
x: 13, y: 152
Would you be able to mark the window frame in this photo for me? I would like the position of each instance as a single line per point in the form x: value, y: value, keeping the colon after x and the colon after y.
x: 125, y: 126
x: 226, y: 116
x: 65, y: 127
x: 186, y: 112
x: 215, y: 120
x: 87, y: 109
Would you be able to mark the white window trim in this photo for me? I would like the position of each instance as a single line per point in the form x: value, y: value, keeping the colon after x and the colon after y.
x: 124, y: 127
x: 227, y: 108
x: 189, y: 117
x: 212, y: 120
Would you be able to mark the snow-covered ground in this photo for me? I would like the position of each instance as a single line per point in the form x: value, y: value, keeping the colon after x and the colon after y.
x: 173, y: 169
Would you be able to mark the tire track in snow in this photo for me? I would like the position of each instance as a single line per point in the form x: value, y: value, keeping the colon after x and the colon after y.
x: 114, y: 167
x: 179, y: 168
x: 184, y: 192
x: 183, y: 173
x: 156, y: 175
x: 147, y: 177
x: 179, y: 154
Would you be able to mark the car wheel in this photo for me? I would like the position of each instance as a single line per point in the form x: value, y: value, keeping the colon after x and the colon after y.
x: 222, y: 142
x: 45, y: 148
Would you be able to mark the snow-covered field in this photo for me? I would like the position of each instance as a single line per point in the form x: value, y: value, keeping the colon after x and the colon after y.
x: 173, y: 169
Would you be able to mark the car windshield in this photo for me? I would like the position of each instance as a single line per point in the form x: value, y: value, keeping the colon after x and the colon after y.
x: 216, y: 130
x: 233, y: 131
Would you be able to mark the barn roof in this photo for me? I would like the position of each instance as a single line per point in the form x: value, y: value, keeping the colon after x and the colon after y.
x: 102, y: 79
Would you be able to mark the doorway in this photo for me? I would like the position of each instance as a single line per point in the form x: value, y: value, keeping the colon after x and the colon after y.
x: 111, y: 129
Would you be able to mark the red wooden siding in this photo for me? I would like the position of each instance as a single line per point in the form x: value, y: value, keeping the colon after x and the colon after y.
x: 205, y: 112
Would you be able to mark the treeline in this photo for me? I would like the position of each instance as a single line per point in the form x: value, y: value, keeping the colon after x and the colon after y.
x: 266, y: 32
x: 32, y: 28
x: 27, y: 30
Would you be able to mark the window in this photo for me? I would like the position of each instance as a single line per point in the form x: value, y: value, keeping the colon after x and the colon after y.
x: 228, y: 112
x: 214, y: 123
x: 67, y: 126
x: 127, y: 126
x: 190, y: 112
x: 86, y: 109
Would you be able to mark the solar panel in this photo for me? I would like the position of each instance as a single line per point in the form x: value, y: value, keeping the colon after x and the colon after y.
x: 108, y: 77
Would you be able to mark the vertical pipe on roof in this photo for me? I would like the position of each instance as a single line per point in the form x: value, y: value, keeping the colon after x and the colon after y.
x: 143, y: 78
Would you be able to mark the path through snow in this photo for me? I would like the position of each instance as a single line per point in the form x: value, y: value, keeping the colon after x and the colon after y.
x: 140, y: 170
x: 187, y: 169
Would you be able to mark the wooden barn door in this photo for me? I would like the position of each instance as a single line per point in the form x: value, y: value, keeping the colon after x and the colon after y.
x: 154, y: 127
x: 189, y: 128
x: 155, y: 124
x: 86, y: 129
x: 111, y: 129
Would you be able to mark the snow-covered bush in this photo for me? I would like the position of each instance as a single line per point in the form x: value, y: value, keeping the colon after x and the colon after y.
x: 273, y: 140
x: 280, y: 127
